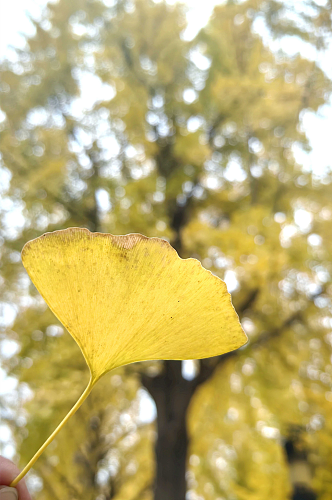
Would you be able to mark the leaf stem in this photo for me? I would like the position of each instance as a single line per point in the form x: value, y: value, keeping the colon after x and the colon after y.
x: 54, y: 433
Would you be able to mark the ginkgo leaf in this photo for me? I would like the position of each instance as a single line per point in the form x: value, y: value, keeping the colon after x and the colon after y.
x: 130, y: 298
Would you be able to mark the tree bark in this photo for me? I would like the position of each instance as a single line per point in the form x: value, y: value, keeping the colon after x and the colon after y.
x: 171, y: 453
x: 172, y: 395
x: 300, y: 470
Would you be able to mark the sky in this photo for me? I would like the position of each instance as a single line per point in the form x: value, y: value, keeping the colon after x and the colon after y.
x: 14, y: 18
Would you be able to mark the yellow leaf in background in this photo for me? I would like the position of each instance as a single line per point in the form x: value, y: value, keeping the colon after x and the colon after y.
x: 130, y: 298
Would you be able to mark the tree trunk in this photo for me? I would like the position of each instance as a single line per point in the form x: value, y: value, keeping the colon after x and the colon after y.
x: 170, y: 391
x: 300, y: 470
x: 172, y: 394
x: 171, y: 455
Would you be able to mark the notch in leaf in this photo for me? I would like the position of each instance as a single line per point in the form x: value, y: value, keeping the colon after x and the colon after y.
x: 129, y: 298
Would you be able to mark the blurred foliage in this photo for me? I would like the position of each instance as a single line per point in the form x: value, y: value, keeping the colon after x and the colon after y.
x: 114, y: 121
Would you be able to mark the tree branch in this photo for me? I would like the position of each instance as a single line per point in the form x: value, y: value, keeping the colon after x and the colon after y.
x: 214, y: 126
x: 48, y: 485
x: 64, y: 479
x: 248, y: 302
x: 208, y: 366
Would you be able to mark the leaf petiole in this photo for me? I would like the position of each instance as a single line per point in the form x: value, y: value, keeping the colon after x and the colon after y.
x: 55, y: 432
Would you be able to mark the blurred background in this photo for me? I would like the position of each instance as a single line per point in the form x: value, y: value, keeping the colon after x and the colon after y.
x: 207, y: 124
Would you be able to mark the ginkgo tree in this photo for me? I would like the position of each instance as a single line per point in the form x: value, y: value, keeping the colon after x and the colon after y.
x: 192, y: 141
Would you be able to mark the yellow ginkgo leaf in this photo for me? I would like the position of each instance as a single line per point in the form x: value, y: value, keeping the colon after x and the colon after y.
x: 130, y: 298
